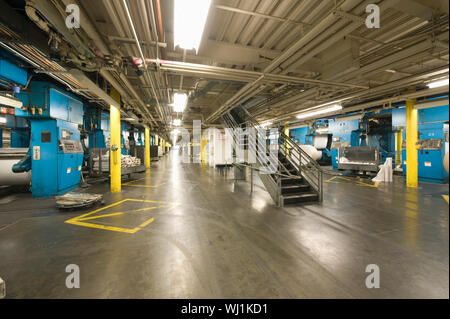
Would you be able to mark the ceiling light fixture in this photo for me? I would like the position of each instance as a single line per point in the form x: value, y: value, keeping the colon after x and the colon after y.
x: 179, y: 102
x: 437, y: 84
x: 329, y: 109
x: 177, y: 122
x: 189, y: 22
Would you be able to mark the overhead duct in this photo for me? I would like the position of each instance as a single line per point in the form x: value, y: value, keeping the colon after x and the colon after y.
x: 92, y: 87
x: 428, y: 104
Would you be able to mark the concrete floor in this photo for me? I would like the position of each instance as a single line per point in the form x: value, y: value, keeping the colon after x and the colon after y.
x: 203, y: 236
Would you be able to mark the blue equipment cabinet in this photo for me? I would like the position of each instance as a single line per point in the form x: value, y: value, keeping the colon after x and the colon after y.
x: 431, y: 144
x: 57, y: 153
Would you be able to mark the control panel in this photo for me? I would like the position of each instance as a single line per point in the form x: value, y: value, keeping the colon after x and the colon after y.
x: 70, y: 147
x: 427, y: 144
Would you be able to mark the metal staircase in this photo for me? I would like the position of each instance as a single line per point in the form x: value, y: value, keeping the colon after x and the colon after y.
x: 297, y: 178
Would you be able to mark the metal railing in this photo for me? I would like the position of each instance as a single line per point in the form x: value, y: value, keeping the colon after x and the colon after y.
x: 304, y: 165
x: 271, y: 183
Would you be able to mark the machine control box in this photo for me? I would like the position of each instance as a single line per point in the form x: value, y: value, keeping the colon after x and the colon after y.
x: 70, y: 147
x: 431, y: 144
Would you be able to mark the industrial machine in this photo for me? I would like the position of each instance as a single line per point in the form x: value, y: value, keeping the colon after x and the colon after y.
x: 55, y: 153
x: 432, y: 142
x: 366, y: 146
x: 431, y: 153
x: 359, y: 158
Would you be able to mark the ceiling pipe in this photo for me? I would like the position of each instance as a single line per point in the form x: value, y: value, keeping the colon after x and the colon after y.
x: 115, y: 84
x: 399, y: 57
x: 130, y: 20
x: 156, y: 11
x: 385, y: 88
x: 113, y: 14
x: 260, y: 15
x: 329, y: 20
x: 184, y: 68
x: 383, y: 102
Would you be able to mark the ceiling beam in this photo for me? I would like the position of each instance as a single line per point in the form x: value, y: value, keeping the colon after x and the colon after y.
x: 260, y: 15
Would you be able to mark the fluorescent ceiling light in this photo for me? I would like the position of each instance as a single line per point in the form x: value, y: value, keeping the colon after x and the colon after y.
x: 189, y: 22
x: 179, y: 102
x: 329, y: 109
x: 437, y: 84
x: 10, y: 101
x: 266, y: 124
x: 177, y: 122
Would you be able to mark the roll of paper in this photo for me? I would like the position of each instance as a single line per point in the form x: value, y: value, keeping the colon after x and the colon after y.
x: 8, y: 177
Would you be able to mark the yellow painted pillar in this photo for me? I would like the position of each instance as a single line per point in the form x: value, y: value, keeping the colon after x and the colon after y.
x: 203, y: 144
x: 115, y: 169
x: 286, y: 132
x: 411, y: 145
x: 147, y: 148
x: 398, y: 160
x: 156, y: 140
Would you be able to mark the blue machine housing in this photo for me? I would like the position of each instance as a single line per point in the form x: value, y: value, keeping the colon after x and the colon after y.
x: 20, y: 131
x: 96, y: 123
x: 12, y: 73
x: 348, y: 132
x: 342, y: 134
x: 432, y: 126
x: 54, y: 171
x: 57, y: 155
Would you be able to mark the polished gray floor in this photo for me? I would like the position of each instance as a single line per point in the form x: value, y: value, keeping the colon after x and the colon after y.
x: 187, y: 231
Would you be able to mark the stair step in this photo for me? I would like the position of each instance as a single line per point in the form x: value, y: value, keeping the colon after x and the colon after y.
x: 300, y: 198
x: 291, y: 181
x: 295, y: 189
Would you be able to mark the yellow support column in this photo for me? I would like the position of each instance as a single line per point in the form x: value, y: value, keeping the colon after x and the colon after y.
x: 286, y: 132
x: 115, y: 169
x: 411, y: 145
x: 203, y: 144
x: 147, y: 148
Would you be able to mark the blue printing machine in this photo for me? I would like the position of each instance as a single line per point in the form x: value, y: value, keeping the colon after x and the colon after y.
x: 56, y: 151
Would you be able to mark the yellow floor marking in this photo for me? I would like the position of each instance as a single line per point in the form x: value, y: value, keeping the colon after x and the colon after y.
x: 112, y: 228
x: 100, y: 216
x: 446, y: 198
x: 146, y: 223
x: 147, y: 186
x: 100, y: 209
x: 134, y: 181
x: 335, y: 179
x: 79, y: 220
